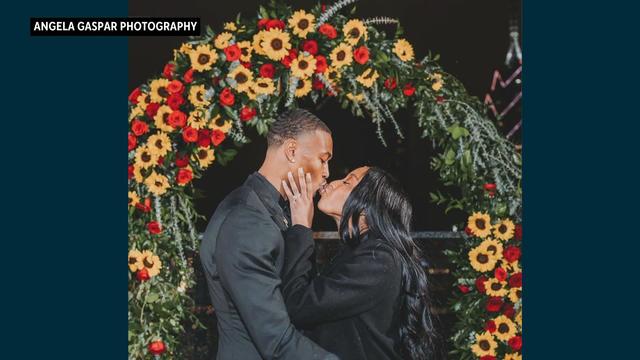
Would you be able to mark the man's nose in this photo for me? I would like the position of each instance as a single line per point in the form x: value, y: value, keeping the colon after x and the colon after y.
x: 325, y: 171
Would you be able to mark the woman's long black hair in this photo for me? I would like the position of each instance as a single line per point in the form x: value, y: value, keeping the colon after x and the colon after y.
x: 388, y: 213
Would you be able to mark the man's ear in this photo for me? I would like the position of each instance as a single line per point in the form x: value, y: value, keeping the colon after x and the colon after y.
x: 290, y: 147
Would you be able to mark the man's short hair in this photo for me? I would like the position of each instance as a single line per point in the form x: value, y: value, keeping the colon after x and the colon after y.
x: 292, y: 124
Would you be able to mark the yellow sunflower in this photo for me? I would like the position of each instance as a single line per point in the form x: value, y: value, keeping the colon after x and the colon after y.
x: 302, y: 23
x: 492, y: 247
x: 256, y: 44
x: 230, y: 26
x: 245, y: 50
x: 495, y: 287
x: 145, y: 158
x: 504, y: 229
x: 203, y: 58
x: 484, y: 345
x: 264, y: 86
x: 160, y: 119
x: 480, y: 260
x: 368, y: 77
x: 515, y: 294
x: 341, y: 55
x: 205, y: 157
x: 151, y: 262
x: 158, y: 90
x: 276, y: 44
x: 133, y: 198
x: 157, y: 184
x: 511, y: 268
x: 519, y: 318
x: 303, y: 66
x: 242, y: 77
x: 197, y: 96
x: 355, y: 98
x: 354, y: 30
x: 403, y: 50
x: 135, y: 260
x: 159, y: 144
x: 513, y: 356
x: 197, y: 118
x: 505, y: 328
x: 135, y: 112
x: 218, y: 123
x: 303, y: 87
x: 333, y: 75
x: 137, y: 174
x: 480, y: 224
x: 222, y: 41
x: 143, y: 101
x: 438, y: 82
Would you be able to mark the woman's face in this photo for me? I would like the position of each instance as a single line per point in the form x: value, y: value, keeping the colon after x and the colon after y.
x: 335, y: 194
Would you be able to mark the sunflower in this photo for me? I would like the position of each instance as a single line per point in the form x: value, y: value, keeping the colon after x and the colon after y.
x: 143, y: 101
x: 197, y: 96
x: 137, y: 174
x: 135, y: 112
x: 251, y: 92
x: 157, y: 183
x: 492, y: 247
x: 303, y: 87
x: 197, y: 118
x: 205, y: 157
x: 485, y: 345
x: 256, y: 44
x: 145, y: 158
x: 481, y: 260
x: 133, y: 198
x: 242, y: 77
x: 368, y: 77
x: 353, y: 30
x: 222, y: 41
x: 302, y: 23
x: 403, y: 50
x: 505, y: 328
x: 333, y: 75
x: 203, y: 57
x: 151, y: 262
x: 341, y: 55
x: 245, y: 50
x: 515, y: 294
x: 504, y: 229
x: 519, y: 318
x: 276, y: 44
x: 264, y: 86
x: 480, y: 224
x: 218, y: 123
x: 135, y: 260
x: 303, y: 66
x: 159, y: 144
x: 230, y: 26
x: 511, y: 268
x: 160, y: 119
x: 355, y: 98
x: 513, y: 356
x: 438, y: 82
x: 158, y: 90
x: 495, y: 287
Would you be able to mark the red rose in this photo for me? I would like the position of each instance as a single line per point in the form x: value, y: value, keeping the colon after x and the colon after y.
x: 512, y: 253
x: 317, y: 84
x: 204, y: 138
x: 144, y: 206
x: 133, y: 97
x: 287, y: 60
x: 227, y: 98
x: 154, y: 227
x: 518, y: 232
x: 182, y: 160
x: 160, y: 160
x: 480, y: 284
x: 489, y: 187
x: 247, y: 65
x: 188, y: 76
x: 508, y: 310
x: 267, y: 71
x: 361, y: 55
x: 516, y: 343
x: 321, y: 64
x: 168, y: 70
x: 143, y: 275
x: 175, y: 87
x: 175, y: 101
x: 130, y: 172
x: 139, y: 127
x: 328, y: 31
x: 275, y: 23
x: 440, y: 99
x: 184, y: 176
x: 262, y: 23
x: 464, y: 288
x: 247, y: 113
x: 516, y: 280
x: 488, y: 357
x: 310, y: 46
x: 500, y: 274
x: 177, y: 119
x: 217, y: 137
x: 390, y: 83
x: 490, y: 326
x: 494, y: 304
x: 133, y: 141
x: 468, y: 231
x: 157, y: 348
x: 408, y: 90
x: 189, y: 134
x: 152, y: 109
x: 232, y: 52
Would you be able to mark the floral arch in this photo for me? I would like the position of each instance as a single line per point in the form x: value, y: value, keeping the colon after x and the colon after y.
x: 192, y: 116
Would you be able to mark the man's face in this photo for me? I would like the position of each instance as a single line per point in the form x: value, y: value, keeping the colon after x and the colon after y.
x: 313, y: 152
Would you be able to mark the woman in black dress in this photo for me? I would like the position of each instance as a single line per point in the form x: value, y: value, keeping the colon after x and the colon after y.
x: 371, y: 301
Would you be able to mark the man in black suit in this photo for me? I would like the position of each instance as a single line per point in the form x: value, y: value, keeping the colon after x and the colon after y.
x: 242, y: 250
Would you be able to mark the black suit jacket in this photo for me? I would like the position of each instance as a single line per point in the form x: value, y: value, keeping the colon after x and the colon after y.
x: 242, y: 253
x: 351, y: 307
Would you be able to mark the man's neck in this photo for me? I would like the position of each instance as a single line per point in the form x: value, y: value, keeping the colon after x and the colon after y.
x: 273, y: 178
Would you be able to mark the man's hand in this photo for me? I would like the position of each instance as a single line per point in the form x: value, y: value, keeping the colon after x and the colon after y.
x: 300, y: 201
